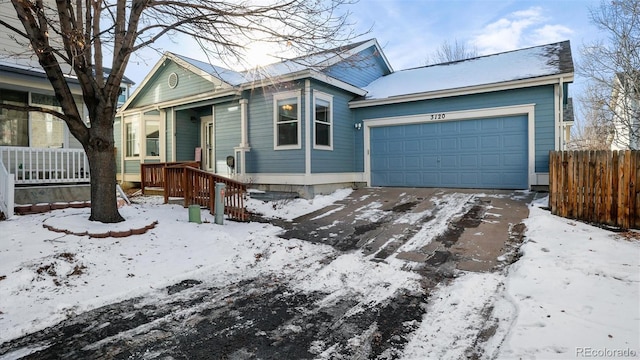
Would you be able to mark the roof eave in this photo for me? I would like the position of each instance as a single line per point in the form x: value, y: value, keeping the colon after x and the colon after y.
x: 484, y: 88
x: 305, y: 74
x: 182, y: 101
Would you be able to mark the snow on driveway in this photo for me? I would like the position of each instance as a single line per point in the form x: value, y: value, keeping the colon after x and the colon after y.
x: 574, y: 291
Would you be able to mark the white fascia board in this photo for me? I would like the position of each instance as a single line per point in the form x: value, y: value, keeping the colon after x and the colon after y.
x: 144, y: 82
x: 196, y: 70
x: 183, y: 101
x: 511, y: 85
x: 339, y: 57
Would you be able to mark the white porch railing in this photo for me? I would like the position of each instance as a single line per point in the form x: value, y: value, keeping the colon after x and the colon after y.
x: 6, y: 191
x: 45, y: 166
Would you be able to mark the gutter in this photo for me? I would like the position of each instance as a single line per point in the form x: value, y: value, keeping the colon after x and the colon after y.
x: 509, y: 85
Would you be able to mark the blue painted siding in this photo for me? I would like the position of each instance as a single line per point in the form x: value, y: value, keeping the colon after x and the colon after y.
x: 187, y: 136
x: 541, y: 96
x: 361, y: 69
x: 263, y: 158
x: 227, y: 131
x: 340, y: 159
x: 157, y: 88
x: 132, y: 167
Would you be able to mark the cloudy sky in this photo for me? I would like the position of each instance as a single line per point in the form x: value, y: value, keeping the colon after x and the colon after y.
x: 410, y: 31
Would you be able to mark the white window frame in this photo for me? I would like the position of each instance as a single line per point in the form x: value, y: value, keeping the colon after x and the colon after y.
x: 317, y: 95
x: 143, y: 134
x: 130, y: 119
x: 295, y: 94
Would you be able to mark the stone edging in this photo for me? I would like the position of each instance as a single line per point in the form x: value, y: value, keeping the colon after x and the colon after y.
x: 115, y: 234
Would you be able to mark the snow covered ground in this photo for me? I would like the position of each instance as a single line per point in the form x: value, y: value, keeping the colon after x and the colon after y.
x: 574, y: 293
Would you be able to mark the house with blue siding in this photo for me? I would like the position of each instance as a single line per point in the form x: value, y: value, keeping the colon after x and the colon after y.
x: 345, y: 118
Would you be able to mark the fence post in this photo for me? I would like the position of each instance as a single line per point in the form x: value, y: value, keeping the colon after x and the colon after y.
x: 219, y: 206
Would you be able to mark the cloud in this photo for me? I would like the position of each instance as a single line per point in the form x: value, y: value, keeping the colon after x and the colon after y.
x: 519, y: 29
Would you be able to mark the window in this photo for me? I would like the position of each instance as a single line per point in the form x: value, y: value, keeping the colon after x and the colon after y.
x: 47, y: 131
x: 132, y: 136
x: 14, y: 124
x: 152, y: 134
x: 287, y: 120
x: 322, y: 119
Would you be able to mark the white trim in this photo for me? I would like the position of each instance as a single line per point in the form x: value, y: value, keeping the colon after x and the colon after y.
x: 135, y: 117
x: 163, y: 136
x: 283, y: 96
x: 244, y: 125
x: 328, y: 98
x: 304, y: 179
x: 307, y: 127
x: 471, y: 90
x: 173, y: 135
x: 525, y: 109
x: 143, y: 140
x: 204, y: 120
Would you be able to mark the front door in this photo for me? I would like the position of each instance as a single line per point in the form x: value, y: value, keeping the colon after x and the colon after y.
x: 208, y: 145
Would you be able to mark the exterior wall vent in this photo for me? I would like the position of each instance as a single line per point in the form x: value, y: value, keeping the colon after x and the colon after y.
x: 173, y: 80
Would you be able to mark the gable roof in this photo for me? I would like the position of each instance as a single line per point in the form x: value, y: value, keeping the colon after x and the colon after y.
x: 309, y: 66
x: 540, y: 62
x: 316, y: 61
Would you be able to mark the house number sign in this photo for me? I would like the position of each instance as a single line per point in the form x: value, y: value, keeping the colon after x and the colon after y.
x: 440, y: 116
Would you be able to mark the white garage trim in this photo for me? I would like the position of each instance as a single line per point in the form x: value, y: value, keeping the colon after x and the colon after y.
x: 526, y: 109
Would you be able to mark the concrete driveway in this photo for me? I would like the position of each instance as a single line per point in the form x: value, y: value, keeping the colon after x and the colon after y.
x: 473, y: 230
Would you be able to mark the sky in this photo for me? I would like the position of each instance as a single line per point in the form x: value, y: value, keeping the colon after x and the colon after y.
x: 410, y: 31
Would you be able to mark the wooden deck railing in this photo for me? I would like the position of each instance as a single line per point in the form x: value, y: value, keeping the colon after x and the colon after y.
x: 596, y: 186
x: 195, y: 186
x: 152, y: 174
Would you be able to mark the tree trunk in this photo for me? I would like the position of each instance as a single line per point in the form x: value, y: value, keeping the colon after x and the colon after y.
x: 102, y: 164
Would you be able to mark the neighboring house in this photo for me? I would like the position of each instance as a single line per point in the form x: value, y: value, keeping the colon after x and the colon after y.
x: 37, y: 148
x: 625, y: 105
x: 345, y: 118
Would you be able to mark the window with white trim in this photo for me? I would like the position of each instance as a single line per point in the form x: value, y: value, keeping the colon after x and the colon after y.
x: 132, y: 136
x: 286, y: 117
x: 323, y: 121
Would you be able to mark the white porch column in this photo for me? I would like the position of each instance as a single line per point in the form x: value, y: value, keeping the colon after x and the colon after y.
x: 242, y: 148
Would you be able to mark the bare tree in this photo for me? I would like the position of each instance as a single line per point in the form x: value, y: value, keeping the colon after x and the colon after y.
x: 448, y: 52
x: 612, y: 67
x: 82, y: 35
x: 595, y: 130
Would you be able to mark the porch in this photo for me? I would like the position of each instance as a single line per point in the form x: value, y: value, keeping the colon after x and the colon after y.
x: 37, y: 166
x: 196, y: 187
x: 30, y: 175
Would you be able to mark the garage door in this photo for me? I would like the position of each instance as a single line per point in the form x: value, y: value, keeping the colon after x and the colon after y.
x: 478, y: 153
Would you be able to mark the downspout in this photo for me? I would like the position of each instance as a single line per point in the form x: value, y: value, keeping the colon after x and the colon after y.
x: 307, y: 130
x: 561, y: 114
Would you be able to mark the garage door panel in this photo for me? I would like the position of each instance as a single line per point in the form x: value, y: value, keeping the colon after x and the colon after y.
x: 477, y: 153
x: 412, y: 162
x: 490, y: 142
x: 469, y: 143
x: 469, y: 161
x: 490, y: 124
x: 490, y: 161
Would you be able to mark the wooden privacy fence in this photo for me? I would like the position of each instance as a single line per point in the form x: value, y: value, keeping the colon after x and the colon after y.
x: 197, y: 187
x: 596, y: 186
